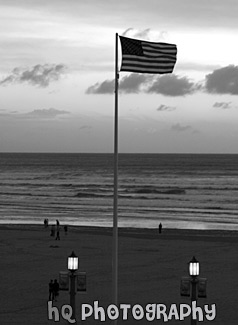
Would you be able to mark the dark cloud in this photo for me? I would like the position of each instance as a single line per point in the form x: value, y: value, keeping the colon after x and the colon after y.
x: 194, y: 13
x: 134, y: 82
x: 38, y: 75
x: 46, y: 113
x: 172, y: 85
x: 223, y: 105
x: 168, y: 85
x: 223, y: 81
x: 163, y: 108
x: 106, y: 87
x: 179, y: 128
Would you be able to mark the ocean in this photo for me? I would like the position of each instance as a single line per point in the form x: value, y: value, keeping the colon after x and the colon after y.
x: 186, y: 191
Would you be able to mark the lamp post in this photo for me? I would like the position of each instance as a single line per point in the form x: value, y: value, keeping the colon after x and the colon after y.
x: 194, y: 272
x: 72, y: 267
x: 198, y: 286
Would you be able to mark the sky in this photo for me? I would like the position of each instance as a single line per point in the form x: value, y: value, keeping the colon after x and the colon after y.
x: 57, y: 73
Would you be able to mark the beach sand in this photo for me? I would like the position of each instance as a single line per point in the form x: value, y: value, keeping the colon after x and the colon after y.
x: 150, y: 268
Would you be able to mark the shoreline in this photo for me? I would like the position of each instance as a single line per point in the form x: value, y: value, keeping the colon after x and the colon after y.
x: 149, y: 233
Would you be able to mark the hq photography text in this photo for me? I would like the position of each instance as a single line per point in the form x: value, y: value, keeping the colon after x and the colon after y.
x: 150, y: 312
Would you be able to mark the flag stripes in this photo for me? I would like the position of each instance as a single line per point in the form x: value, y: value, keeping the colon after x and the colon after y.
x: 147, y: 57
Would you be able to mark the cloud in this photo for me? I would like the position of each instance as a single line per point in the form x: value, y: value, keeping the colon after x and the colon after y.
x: 38, y: 75
x: 131, y: 32
x: 85, y: 127
x: 106, y: 87
x: 223, y: 105
x: 163, y: 108
x: 223, y: 81
x: 46, y: 113
x: 50, y: 113
x: 134, y: 82
x: 167, y: 85
x: 146, y: 34
x: 179, y: 128
x: 172, y: 85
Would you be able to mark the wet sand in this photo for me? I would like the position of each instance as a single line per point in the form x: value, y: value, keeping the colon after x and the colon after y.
x: 150, y: 268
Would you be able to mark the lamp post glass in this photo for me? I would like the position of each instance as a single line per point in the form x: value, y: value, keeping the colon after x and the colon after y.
x: 72, y: 262
x: 194, y: 267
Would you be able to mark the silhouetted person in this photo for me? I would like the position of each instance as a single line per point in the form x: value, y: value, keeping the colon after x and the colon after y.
x: 51, y: 289
x: 55, y: 290
x: 160, y: 228
x: 65, y: 229
x: 57, y: 235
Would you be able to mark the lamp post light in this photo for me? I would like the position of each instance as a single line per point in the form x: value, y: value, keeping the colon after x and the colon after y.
x: 198, y: 285
x: 194, y: 272
x: 193, y: 267
x: 72, y: 267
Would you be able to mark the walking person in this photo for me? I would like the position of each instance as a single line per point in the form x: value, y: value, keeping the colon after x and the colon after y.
x: 55, y: 290
x: 160, y: 228
x: 51, y: 290
x: 57, y: 230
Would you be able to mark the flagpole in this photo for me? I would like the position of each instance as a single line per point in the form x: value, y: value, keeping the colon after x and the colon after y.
x: 115, y: 200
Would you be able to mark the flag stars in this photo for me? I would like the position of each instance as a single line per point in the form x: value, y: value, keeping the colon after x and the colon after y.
x: 131, y: 46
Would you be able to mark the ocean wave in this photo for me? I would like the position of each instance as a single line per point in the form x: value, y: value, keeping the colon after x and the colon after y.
x: 159, y: 191
x: 133, y: 196
x: 193, y: 187
x: 92, y: 195
x: 148, y: 189
x: 124, y: 186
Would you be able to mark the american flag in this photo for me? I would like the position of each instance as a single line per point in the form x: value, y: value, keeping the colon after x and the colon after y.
x: 147, y: 57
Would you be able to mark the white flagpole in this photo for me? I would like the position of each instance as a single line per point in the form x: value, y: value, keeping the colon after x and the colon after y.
x: 115, y: 204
